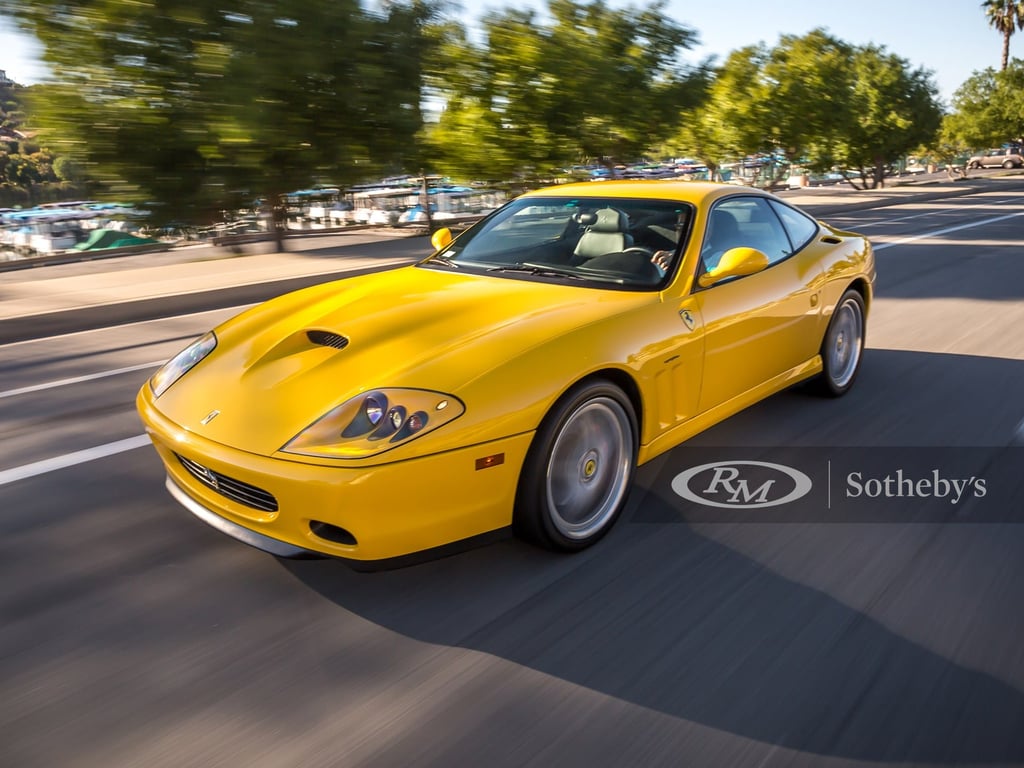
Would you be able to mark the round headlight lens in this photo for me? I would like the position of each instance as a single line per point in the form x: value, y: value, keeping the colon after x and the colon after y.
x: 374, y: 410
x: 397, y: 415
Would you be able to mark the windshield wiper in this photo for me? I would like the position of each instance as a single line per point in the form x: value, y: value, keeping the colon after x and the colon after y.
x: 544, y: 270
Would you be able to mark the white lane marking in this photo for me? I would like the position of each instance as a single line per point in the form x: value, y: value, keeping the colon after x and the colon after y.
x: 71, y: 459
x: 901, y: 219
x: 947, y: 230
x: 924, y: 214
x: 79, y: 379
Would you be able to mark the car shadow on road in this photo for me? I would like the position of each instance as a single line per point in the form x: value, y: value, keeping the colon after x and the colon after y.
x: 665, y: 616
x: 672, y: 621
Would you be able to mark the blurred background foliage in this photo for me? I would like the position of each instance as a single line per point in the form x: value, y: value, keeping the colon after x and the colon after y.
x: 191, y: 107
x: 591, y: 83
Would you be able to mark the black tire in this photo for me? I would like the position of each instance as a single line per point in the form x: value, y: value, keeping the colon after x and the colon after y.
x: 842, y: 347
x: 975, y: 164
x: 578, y: 472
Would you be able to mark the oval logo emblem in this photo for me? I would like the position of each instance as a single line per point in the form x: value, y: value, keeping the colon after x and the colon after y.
x: 741, y: 484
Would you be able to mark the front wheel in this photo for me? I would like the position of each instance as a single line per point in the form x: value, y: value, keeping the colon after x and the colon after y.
x: 578, y: 471
x: 843, y: 346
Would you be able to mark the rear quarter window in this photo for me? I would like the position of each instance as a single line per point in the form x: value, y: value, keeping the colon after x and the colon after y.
x: 800, y: 227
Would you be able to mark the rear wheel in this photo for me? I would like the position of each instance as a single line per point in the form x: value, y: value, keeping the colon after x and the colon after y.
x: 577, y: 475
x: 1008, y: 164
x: 843, y: 346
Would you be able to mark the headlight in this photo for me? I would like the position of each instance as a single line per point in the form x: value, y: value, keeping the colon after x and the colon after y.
x: 375, y: 422
x: 182, y: 363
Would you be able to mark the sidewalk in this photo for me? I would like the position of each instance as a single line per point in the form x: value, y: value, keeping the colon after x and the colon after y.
x: 62, y: 298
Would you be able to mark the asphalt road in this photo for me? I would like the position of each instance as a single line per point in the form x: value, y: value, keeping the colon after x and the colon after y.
x: 133, y: 635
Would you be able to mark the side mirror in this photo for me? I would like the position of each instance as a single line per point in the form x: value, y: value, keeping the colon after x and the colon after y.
x: 441, y: 239
x: 735, y: 262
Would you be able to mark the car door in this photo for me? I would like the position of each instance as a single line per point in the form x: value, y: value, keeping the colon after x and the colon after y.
x: 758, y: 327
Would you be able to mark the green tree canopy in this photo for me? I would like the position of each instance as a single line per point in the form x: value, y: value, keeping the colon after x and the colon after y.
x: 893, y: 108
x: 593, y: 82
x: 819, y: 101
x: 191, y: 106
x: 803, y: 94
x: 728, y: 118
x: 988, y: 109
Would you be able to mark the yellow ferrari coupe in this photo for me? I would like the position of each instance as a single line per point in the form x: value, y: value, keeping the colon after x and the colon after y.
x: 514, y: 379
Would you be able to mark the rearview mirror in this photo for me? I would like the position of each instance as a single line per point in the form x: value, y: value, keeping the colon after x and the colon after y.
x: 736, y: 262
x: 441, y: 239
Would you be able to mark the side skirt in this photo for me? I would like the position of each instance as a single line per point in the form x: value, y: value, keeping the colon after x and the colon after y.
x: 709, y: 418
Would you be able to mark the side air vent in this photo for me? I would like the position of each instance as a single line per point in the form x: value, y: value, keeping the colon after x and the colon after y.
x: 327, y: 339
x: 831, y: 239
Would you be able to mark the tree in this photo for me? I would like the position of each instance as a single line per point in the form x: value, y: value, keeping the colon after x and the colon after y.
x: 987, y: 108
x: 893, y: 109
x: 595, y: 82
x: 28, y: 172
x: 728, y: 120
x: 191, y: 107
x: 949, y: 146
x: 1005, y: 16
x: 803, y: 96
x: 791, y: 99
x: 819, y: 101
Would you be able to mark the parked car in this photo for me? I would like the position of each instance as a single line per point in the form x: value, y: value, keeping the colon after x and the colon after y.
x: 515, y: 378
x: 996, y: 158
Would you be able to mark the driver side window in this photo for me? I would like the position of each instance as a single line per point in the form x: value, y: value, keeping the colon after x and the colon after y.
x: 744, y: 221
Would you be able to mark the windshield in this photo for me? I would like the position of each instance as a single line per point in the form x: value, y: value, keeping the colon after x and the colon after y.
x: 629, y: 242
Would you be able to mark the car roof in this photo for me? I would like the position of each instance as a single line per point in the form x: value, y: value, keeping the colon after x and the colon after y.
x: 698, y: 193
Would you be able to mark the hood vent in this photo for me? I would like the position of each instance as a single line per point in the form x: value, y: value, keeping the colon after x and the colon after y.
x: 327, y: 339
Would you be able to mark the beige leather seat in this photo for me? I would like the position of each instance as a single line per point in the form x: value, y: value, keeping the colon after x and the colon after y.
x: 607, y: 232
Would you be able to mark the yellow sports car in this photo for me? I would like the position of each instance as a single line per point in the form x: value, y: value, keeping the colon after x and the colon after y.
x: 514, y: 378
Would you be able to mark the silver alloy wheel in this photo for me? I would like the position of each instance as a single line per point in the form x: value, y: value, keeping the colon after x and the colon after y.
x: 846, y: 340
x: 589, y: 469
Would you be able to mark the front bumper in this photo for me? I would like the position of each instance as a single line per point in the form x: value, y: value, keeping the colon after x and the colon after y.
x: 236, y: 531
x: 390, y: 510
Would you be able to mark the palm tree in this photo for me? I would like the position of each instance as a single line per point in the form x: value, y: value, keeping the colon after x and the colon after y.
x: 1005, y: 16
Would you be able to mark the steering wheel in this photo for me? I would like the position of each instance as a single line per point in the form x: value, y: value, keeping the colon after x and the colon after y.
x: 660, y: 262
x: 635, y: 260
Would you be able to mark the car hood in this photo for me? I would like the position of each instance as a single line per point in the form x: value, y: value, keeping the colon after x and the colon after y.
x: 282, y: 365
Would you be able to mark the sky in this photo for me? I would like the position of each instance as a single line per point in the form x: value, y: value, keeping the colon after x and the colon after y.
x: 951, y: 38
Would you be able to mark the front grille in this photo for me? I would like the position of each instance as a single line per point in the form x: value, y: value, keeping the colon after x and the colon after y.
x: 236, y: 490
x: 327, y: 339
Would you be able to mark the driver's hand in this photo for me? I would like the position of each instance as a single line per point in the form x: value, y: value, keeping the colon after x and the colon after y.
x: 662, y: 259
